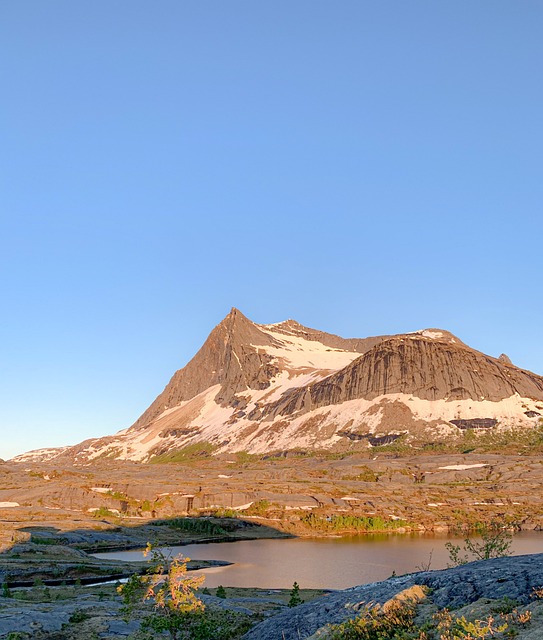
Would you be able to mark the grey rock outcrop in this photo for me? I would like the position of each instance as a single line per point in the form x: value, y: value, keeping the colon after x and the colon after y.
x: 42, y: 620
x: 511, y: 577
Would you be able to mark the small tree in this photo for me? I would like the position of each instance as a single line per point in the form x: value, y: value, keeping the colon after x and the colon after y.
x: 295, y: 599
x: 177, y: 609
x: 495, y: 542
x: 221, y: 592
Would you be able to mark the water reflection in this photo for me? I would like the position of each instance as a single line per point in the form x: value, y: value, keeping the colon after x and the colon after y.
x: 335, y: 563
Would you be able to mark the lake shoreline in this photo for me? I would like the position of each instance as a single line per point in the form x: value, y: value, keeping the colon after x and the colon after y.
x: 325, y: 563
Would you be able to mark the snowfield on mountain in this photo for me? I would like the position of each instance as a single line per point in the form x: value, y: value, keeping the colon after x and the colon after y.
x: 276, y: 387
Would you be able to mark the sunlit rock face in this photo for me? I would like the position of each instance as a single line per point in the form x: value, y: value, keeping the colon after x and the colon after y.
x: 263, y: 388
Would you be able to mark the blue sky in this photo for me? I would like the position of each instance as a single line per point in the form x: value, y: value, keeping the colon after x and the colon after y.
x: 362, y: 167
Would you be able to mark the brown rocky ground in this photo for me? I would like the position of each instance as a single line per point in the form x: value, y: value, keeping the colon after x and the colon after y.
x: 52, y: 515
x: 114, y: 504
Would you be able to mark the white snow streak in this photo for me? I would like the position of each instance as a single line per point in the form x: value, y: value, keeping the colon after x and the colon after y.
x: 463, y: 467
x: 300, y: 353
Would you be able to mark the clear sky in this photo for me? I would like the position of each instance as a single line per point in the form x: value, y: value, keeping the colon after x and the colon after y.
x: 362, y: 167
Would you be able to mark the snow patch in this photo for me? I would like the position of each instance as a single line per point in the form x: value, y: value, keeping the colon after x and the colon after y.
x: 40, y: 455
x: 463, y: 467
x: 300, y: 353
x: 242, y: 507
x: 432, y: 334
x: 365, y: 416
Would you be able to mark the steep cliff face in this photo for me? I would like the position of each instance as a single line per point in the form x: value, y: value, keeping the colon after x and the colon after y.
x: 227, y: 358
x: 283, y: 386
x: 237, y: 356
x: 430, y: 368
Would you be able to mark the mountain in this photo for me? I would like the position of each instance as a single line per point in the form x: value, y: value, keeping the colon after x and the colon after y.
x: 262, y: 388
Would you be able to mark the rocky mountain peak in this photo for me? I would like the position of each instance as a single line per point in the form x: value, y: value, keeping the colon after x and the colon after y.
x: 439, y: 335
x: 264, y: 387
x: 239, y: 330
x: 228, y: 358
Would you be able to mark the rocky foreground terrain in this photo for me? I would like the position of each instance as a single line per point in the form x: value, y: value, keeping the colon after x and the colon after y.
x: 504, y: 594
x: 52, y: 515
x: 477, y: 591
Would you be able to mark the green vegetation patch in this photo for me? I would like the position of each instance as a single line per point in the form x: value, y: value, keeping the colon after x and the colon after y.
x: 513, y: 440
x: 193, y: 525
x: 259, y: 508
x: 195, y: 451
x: 47, y: 541
x: 351, y: 523
x: 397, y: 619
x: 169, y: 595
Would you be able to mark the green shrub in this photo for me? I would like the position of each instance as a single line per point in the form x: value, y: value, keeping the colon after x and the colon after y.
x: 351, y: 523
x: 193, y: 525
x: 104, y: 512
x: 259, y: 508
x: 176, y: 607
x: 494, y: 542
x: 79, y: 615
x: 374, y: 623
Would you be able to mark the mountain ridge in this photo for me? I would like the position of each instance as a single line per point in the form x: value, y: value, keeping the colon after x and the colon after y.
x: 263, y: 387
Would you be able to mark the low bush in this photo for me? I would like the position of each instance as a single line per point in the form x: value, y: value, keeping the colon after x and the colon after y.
x: 193, y: 525
x: 351, y: 523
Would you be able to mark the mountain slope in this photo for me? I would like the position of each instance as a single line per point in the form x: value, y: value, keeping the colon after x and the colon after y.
x: 429, y: 368
x: 283, y: 386
x: 227, y: 358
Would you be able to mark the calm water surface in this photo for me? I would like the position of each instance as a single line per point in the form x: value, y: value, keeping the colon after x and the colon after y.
x: 335, y: 563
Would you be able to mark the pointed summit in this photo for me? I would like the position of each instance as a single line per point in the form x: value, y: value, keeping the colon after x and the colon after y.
x: 239, y: 328
x: 229, y: 358
x: 235, y: 314
x: 266, y: 387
